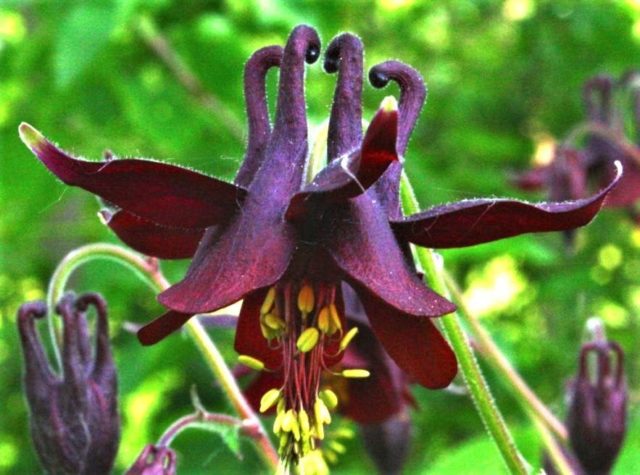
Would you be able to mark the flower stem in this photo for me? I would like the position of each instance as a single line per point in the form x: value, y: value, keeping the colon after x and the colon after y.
x: 149, y: 271
x: 562, y: 465
x: 195, y: 419
x: 525, y: 396
x: 478, y: 388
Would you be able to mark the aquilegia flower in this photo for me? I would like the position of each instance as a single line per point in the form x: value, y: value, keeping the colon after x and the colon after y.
x: 74, y: 418
x: 154, y: 461
x: 598, y: 407
x: 571, y: 171
x: 284, y: 240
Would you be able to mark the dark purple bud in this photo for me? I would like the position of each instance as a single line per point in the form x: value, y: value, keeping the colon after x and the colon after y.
x: 74, y: 418
x: 154, y: 461
x: 597, y: 94
x: 387, y: 443
x: 598, y: 407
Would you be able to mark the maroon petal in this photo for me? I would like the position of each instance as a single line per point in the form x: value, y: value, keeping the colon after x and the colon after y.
x: 535, y: 179
x: 162, y: 327
x: 381, y: 395
x: 352, y: 175
x: 252, y: 252
x: 628, y: 190
x: 415, y: 344
x: 370, y: 400
x: 249, y: 340
x: 150, y: 238
x: 477, y: 221
x: 166, y: 194
x: 364, y: 247
x: 413, y: 93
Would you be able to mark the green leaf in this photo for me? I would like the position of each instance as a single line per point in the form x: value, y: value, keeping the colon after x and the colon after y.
x: 83, y: 33
x: 230, y: 434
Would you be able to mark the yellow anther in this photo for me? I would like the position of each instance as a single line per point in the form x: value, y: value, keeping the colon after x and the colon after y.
x: 267, y: 305
x: 331, y: 456
x: 329, y: 398
x: 308, y: 340
x: 306, y: 299
x: 277, y: 423
x: 321, y: 412
x: 284, y: 441
x: 355, y: 373
x: 337, y: 447
x: 273, y: 321
x: 303, y: 419
x: 324, y: 320
x: 269, y: 399
x: 335, y: 319
x: 290, y: 424
x: 347, y: 338
x: 267, y: 333
x: 251, y: 362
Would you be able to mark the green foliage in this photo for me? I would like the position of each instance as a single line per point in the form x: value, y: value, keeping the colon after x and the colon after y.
x: 501, y: 74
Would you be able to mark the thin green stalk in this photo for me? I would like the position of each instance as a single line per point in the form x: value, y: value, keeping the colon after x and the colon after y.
x: 478, y: 388
x: 523, y: 393
x: 554, y: 450
x: 148, y: 270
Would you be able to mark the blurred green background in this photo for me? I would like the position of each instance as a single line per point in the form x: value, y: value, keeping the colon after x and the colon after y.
x: 504, y: 79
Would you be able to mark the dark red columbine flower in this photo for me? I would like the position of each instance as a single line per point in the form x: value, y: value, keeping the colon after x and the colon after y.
x: 284, y: 241
x: 75, y: 424
x: 572, y: 170
x: 154, y: 461
x: 598, y: 407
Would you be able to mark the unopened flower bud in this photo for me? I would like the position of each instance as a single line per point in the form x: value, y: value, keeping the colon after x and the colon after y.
x: 598, y: 407
x: 74, y: 418
x: 154, y: 461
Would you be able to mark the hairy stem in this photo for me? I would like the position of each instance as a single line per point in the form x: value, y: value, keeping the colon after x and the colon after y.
x: 478, y: 388
x: 149, y: 271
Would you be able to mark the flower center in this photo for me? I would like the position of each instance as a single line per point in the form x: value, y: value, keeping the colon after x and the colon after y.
x: 304, y: 322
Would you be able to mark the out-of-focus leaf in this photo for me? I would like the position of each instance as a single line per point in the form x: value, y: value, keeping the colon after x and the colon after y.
x: 481, y: 454
x: 82, y: 34
x: 229, y: 434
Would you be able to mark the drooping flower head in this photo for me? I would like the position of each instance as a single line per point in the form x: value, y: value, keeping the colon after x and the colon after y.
x: 598, y: 407
x: 154, y: 460
x: 74, y: 418
x: 284, y: 239
x: 572, y: 170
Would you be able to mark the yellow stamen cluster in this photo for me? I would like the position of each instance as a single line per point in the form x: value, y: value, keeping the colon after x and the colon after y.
x: 271, y: 325
x: 306, y: 325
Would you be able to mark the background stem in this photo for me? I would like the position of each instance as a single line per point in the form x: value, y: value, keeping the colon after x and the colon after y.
x: 478, y: 388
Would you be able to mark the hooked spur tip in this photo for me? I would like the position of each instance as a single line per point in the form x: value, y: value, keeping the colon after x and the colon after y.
x: 312, y: 54
x: 377, y: 78
x: 30, y: 136
x: 331, y: 63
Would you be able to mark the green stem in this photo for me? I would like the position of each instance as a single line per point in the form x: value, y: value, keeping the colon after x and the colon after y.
x: 558, y: 457
x: 149, y: 271
x: 478, y: 388
x: 525, y: 396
